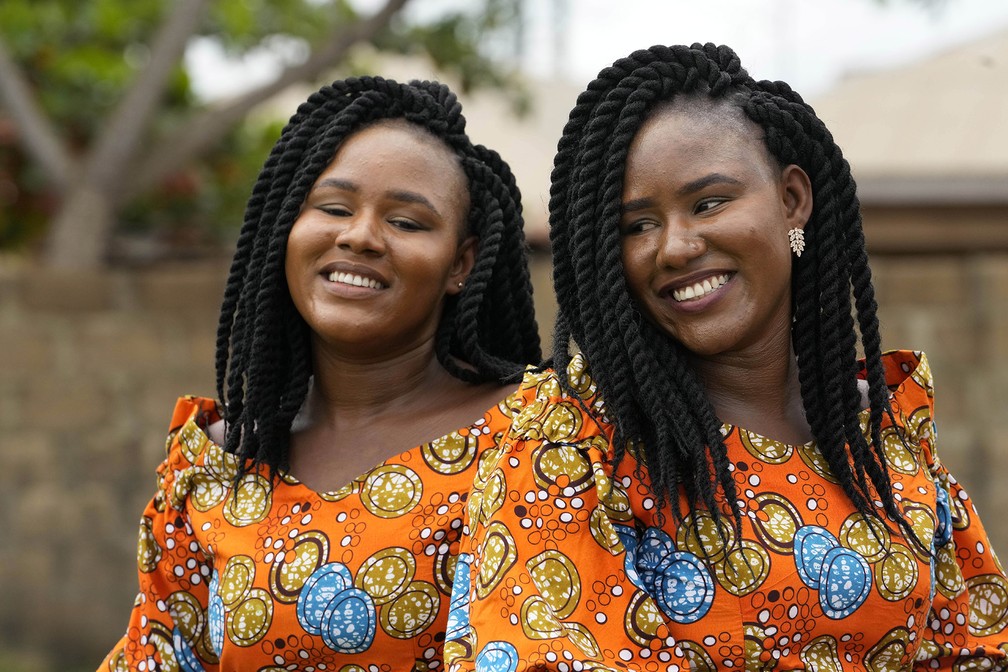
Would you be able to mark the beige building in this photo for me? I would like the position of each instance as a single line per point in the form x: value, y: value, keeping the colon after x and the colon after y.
x: 928, y: 144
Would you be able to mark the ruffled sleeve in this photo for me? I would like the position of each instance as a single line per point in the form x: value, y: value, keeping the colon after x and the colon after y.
x: 542, y: 565
x: 967, y: 626
x: 167, y: 627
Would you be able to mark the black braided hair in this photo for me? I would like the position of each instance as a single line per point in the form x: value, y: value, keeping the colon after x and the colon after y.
x: 656, y: 401
x: 487, y: 332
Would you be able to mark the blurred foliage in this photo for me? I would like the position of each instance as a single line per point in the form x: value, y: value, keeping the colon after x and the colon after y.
x: 79, y: 57
x: 465, y: 42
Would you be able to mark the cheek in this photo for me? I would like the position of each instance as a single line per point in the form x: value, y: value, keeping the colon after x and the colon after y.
x: 637, y: 264
x: 300, y: 249
x: 305, y: 241
x: 293, y: 259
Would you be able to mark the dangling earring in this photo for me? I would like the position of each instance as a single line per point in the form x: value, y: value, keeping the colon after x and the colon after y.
x: 796, y: 237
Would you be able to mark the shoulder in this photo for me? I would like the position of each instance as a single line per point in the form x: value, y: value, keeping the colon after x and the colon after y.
x: 189, y: 431
x: 559, y: 409
x: 191, y: 408
x: 911, y: 388
x: 191, y: 450
x: 911, y: 399
x: 908, y: 369
x: 546, y: 384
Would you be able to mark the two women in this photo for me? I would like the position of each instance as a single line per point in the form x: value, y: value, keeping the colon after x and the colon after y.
x: 710, y: 478
x: 377, y: 305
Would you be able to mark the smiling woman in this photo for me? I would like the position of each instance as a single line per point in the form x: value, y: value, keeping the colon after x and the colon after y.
x: 375, y: 322
x: 710, y: 478
x: 379, y: 244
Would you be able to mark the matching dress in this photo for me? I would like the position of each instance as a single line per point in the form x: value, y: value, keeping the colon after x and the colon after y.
x: 281, y: 577
x: 566, y: 565
x: 558, y: 562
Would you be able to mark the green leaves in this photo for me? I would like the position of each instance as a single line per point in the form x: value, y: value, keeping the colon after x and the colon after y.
x: 78, y: 60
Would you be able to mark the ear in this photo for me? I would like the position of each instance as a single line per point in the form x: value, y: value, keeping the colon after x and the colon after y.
x: 465, y: 259
x: 796, y: 196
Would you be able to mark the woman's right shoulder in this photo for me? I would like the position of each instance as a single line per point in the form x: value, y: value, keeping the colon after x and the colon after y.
x: 560, y: 409
x: 544, y: 383
x: 194, y: 442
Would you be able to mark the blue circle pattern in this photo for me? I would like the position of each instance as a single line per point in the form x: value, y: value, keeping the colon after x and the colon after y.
x: 331, y: 606
x: 215, y: 615
x: 184, y: 655
x: 811, y: 544
x: 842, y: 577
x: 844, y: 582
x: 677, y: 580
x: 497, y: 657
x: 458, y: 607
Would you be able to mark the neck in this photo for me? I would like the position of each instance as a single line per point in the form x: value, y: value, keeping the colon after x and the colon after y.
x: 758, y: 390
x: 348, y: 387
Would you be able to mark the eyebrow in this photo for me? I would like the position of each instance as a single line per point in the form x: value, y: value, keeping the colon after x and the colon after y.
x: 687, y: 189
x: 400, y: 195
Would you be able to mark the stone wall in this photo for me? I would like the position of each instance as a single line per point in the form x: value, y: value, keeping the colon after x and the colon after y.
x: 90, y: 366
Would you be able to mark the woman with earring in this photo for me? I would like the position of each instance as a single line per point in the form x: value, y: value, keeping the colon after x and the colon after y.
x: 376, y: 313
x: 712, y: 477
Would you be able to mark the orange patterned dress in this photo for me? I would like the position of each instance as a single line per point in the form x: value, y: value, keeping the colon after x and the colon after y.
x: 566, y: 567
x: 286, y: 578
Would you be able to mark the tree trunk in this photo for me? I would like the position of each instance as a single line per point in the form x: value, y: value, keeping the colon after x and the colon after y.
x: 80, y: 229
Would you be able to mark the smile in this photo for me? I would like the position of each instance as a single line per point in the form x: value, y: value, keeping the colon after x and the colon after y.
x: 700, y: 289
x: 355, y: 280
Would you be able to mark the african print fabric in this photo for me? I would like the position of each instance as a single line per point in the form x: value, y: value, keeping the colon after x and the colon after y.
x: 565, y: 565
x: 285, y: 578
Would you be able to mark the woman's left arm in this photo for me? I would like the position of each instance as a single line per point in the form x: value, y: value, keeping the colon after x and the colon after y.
x: 967, y: 625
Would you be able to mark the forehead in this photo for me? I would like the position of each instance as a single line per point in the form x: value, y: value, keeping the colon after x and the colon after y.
x: 398, y: 155
x: 396, y: 136
x: 697, y: 135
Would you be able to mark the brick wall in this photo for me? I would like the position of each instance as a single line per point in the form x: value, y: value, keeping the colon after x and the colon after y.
x: 90, y: 366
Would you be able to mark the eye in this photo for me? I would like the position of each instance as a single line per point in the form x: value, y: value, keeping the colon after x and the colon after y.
x: 335, y: 210
x: 708, y: 204
x: 637, y: 226
x: 407, y: 224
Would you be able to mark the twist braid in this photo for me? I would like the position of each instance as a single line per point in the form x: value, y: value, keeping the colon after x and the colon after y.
x: 824, y: 333
x: 263, y: 355
x: 657, y: 403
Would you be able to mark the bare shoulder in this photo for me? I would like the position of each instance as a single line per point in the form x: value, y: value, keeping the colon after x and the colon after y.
x: 488, y: 395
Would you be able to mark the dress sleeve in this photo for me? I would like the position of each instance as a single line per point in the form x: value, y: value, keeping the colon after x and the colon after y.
x: 541, y: 570
x: 168, y: 625
x: 967, y: 625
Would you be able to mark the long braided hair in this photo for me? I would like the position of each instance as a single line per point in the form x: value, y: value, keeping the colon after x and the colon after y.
x: 487, y: 332
x: 656, y: 401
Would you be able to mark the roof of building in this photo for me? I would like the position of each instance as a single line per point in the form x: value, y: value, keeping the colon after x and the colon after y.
x: 935, y: 130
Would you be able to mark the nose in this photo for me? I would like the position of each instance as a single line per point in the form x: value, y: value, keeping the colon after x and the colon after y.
x: 362, y: 233
x: 679, y: 245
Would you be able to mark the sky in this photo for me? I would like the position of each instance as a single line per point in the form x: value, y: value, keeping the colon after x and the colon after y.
x: 808, y: 43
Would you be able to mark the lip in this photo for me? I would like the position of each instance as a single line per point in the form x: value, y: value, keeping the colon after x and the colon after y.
x: 352, y: 291
x: 665, y: 291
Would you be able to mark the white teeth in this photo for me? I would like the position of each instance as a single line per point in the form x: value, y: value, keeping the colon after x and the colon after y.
x: 354, y: 280
x: 699, y: 289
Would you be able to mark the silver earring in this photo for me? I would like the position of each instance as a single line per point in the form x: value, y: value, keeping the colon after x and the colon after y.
x: 460, y: 285
x: 796, y: 237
